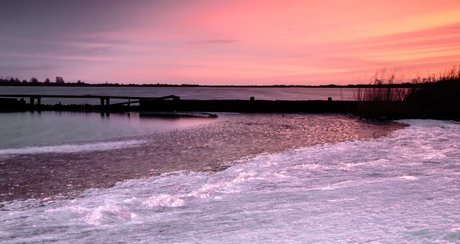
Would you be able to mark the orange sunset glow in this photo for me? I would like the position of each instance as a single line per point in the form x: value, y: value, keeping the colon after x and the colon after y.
x: 227, y: 42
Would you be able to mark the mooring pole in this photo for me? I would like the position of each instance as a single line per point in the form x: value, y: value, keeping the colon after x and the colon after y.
x: 251, y: 107
x: 175, y: 102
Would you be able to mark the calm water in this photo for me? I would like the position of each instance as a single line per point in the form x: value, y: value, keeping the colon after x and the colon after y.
x: 27, y: 130
x: 297, y: 178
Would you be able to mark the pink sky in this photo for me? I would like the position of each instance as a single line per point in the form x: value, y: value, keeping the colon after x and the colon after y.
x: 227, y: 42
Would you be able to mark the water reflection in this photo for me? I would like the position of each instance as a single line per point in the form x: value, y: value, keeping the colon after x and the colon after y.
x: 28, y: 129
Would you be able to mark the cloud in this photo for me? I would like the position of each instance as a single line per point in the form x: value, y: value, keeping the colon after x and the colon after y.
x: 89, y: 52
x: 24, y: 68
x: 213, y: 41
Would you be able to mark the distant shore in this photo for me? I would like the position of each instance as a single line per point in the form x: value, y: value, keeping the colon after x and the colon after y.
x: 9, y: 82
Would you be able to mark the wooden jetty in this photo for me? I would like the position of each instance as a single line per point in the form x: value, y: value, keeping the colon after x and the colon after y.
x: 174, y: 103
x: 105, y: 100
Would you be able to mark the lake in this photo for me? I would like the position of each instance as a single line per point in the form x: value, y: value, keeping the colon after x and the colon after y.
x: 239, y: 178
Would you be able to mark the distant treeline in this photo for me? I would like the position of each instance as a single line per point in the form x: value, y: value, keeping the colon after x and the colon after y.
x: 59, y: 81
x: 10, y: 81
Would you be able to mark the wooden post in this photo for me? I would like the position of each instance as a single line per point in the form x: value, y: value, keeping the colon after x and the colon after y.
x: 107, y: 101
x: 175, y: 102
x: 102, y: 101
x: 39, y: 100
x: 32, y: 101
x: 329, y: 102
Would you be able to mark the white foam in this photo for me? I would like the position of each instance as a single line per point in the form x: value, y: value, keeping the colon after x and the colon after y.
x: 164, y: 201
x: 407, y: 177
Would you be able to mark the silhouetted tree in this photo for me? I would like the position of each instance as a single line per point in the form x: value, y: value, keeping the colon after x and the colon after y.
x: 34, y: 80
x: 47, y: 81
x: 59, y: 80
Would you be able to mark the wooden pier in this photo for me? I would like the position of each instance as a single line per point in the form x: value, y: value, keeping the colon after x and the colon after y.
x: 174, y: 103
x: 105, y: 100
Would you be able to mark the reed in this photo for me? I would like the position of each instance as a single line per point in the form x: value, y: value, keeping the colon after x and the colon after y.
x: 439, y: 95
x: 433, y: 96
x: 382, y: 100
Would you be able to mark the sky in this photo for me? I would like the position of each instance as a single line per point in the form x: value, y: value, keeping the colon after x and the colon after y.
x: 231, y: 42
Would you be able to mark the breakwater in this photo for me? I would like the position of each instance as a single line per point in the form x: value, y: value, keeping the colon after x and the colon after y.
x: 249, y: 106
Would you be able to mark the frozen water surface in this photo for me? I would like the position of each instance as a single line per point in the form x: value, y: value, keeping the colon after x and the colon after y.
x: 401, y: 188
